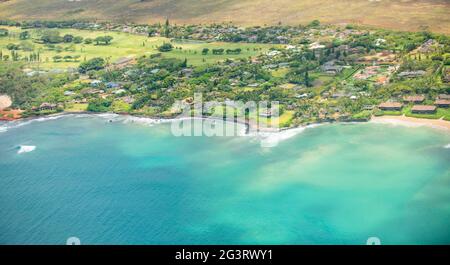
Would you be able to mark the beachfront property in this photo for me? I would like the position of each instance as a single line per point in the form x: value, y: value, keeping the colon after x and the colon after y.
x: 414, y: 99
x: 442, y: 103
x: 390, y: 106
x: 444, y: 96
x: 423, y: 109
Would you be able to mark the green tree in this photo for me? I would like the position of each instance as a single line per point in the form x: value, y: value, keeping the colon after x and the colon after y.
x: 92, y: 64
x: 107, y: 39
x: 99, y: 105
x: 12, y: 46
x: 24, y: 35
x: 307, y: 80
x: 78, y: 39
x: 51, y: 36
x: 166, y: 47
x: 68, y: 38
x: 167, y: 28
x: 184, y: 63
x: 3, y: 32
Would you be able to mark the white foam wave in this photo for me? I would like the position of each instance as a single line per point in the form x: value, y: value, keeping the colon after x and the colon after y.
x: 141, y: 120
x: 105, y: 115
x: 271, y: 139
x: 447, y: 146
x: 16, y: 124
x: 20, y: 123
x: 26, y: 149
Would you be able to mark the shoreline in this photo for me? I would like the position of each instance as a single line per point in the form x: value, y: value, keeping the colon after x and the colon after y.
x: 438, y: 124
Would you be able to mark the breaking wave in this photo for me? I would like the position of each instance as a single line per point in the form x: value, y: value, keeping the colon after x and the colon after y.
x: 26, y: 149
x: 271, y: 139
x: 268, y: 138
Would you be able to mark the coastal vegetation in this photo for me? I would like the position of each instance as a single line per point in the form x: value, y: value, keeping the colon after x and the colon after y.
x: 316, y: 72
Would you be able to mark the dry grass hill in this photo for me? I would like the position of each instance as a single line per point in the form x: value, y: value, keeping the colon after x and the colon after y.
x: 394, y: 14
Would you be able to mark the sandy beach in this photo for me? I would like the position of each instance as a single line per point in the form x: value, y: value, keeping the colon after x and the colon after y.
x: 412, y: 122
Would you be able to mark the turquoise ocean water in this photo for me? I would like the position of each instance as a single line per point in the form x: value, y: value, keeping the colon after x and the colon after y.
x: 134, y: 183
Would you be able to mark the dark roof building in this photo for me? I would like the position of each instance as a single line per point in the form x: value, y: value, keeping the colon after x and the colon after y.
x: 390, y: 106
x: 421, y: 109
x: 414, y: 99
x: 442, y: 103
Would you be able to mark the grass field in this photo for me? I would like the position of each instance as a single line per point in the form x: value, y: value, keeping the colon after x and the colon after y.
x: 440, y: 113
x: 395, y: 14
x: 123, y: 44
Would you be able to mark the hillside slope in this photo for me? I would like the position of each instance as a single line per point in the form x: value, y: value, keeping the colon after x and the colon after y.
x: 395, y: 14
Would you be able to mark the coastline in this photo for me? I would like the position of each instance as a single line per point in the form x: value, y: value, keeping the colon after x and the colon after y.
x: 439, y: 124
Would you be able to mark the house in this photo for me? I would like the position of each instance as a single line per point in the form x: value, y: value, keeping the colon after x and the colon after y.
x: 409, y: 74
x: 273, y: 53
x: 423, y: 109
x: 33, y: 73
x: 91, y: 91
x: 379, y: 42
x: 427, y: 46
x: 112, y: 85
x: 331, y: 68
x: 390, y: 106
x: 187, y: 72
x: 444, y: 96
x: 95, y: 82
x: 47, y: 106
x: 442, y: 103
x: 120, y: 91
x: 316, y: 46
x: 270, y: 66
x: 304, y: 95
x: 414, y: 99
x: 123, y: 62
x: 367, y: 72
x: 338, y: 95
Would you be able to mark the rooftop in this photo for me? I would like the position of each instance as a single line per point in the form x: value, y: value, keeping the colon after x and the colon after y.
x: 390, y: 105
x: 423, y: 108
x: 418, y: 98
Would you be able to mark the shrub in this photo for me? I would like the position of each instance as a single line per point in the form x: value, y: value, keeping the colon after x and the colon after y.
x: 166, y: 47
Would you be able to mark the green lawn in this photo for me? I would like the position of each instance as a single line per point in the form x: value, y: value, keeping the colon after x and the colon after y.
x: 76, y: 107
x: 281, y: 72
x: 388, y: 113
x: 123, y: 44
x: 440, y: 113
